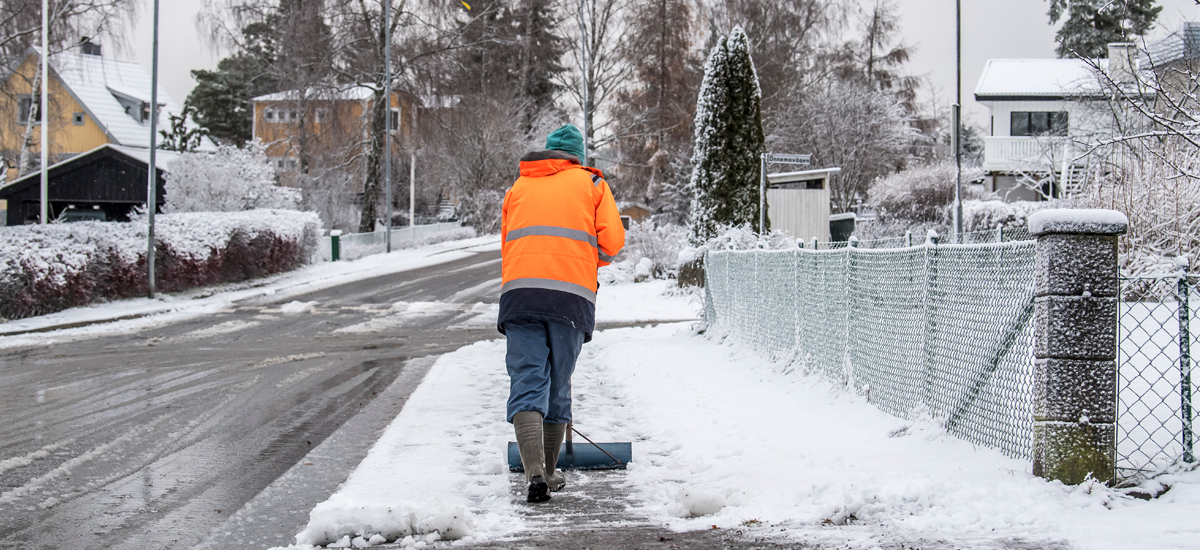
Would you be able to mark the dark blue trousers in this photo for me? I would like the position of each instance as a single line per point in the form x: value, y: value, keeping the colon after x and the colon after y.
x: 541, y: 357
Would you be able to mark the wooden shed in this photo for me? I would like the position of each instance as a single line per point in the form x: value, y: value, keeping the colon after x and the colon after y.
x: 103, y: 184
x: 798, y: 202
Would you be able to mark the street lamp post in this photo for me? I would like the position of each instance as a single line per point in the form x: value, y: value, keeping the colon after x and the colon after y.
x: 387, y: 148
x: 43, y: 110
x: 957, y: 120
x: 152, y: 169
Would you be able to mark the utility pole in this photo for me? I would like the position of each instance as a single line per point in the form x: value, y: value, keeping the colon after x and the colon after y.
x: 44, y: 109
x: 152, y: 169
x: 957, y: 119
x: 584, y: 71
x: 412, y: 173
x: 387, y: 134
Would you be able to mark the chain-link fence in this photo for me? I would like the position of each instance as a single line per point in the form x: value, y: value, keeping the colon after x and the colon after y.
x: 1156, y: 417
x: 937, y: 329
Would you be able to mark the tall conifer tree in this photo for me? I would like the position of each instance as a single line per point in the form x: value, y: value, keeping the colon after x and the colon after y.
x: 1092, y: 24
x: 728, y: 140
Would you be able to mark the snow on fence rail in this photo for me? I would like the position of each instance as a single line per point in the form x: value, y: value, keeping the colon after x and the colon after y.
x: 1014, y: 345
x: 943, y: 329
x: 358, y: 245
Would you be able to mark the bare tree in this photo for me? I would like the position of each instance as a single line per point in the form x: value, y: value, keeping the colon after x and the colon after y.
x: 600, y: 30
x: 852, y: 125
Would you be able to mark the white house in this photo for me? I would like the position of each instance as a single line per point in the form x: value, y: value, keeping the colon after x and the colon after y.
x: 1042, y: 113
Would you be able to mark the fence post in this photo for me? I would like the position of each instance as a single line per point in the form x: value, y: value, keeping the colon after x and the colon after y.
x: 930, y: 331
x: 335, y: 245
x: 1185, y: 359
x: 1075, y: 343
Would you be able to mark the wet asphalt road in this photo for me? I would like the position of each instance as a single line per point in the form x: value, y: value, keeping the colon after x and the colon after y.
x: 160, y: 439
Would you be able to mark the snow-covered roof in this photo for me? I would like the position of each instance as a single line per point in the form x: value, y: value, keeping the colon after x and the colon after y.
x: 802, y: 175
x: 1180, y: 45
x: 94, y: 80
x: 352, y: 93
x: 142, y: 154
x: 1032, y: 79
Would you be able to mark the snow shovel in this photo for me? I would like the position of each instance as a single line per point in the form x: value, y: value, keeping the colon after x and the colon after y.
x: 593, y: 456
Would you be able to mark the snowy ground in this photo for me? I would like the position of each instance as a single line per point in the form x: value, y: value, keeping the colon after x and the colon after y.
x: 142, y: 313
x: 723, y: 438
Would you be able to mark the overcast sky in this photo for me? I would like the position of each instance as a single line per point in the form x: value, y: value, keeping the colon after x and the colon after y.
x: 991, y: 29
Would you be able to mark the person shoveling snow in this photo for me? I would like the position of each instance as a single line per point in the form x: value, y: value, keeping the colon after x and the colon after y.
x: 559, y: 225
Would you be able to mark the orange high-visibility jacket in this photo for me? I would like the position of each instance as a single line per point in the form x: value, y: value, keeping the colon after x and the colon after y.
x: 559, y: 225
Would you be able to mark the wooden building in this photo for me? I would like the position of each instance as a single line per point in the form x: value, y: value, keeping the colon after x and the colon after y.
x: 798, y: 203
x: 103, y: 184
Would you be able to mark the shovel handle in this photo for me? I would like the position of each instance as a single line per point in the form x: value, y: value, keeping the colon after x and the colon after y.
x: 570, y: 445
x: 572, y: 426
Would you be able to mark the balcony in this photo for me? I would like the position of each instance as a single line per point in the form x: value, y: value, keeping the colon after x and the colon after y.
x: 1023, y: 154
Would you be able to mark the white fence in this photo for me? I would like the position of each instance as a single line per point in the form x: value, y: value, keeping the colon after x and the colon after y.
x: 358, y: 245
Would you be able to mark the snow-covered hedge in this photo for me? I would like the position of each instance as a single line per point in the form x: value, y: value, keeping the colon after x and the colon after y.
x: 48, y: 268
x: 981, y: 215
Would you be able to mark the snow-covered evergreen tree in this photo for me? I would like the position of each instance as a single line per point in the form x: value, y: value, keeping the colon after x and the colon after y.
x: 728, y: 140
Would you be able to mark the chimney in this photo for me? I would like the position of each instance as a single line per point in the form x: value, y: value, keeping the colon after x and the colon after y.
x: 88, y: 48
x: 1121, y: 62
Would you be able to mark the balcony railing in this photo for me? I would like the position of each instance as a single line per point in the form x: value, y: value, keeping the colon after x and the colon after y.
x: 1041, y: 153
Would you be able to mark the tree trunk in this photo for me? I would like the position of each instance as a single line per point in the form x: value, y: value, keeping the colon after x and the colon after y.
x: 370, y: 205
x: 25, y: 161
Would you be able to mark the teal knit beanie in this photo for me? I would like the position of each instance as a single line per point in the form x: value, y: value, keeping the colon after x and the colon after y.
x: 566, y: 139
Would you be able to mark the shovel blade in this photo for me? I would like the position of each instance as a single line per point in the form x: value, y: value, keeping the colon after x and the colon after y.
x: 585, y: 456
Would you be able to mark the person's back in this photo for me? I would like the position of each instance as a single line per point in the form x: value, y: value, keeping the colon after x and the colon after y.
x: 559, y: 225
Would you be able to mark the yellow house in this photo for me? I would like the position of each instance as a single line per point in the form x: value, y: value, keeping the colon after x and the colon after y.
x: 93, y: 101
x: 329, y: 127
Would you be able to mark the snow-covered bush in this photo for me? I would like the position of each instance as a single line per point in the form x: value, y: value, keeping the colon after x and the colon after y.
x: 48, y: 268
x: 740, y: 237
x: 980, y: 215
x: 651, y: 251
x: 481, y: 210
x: 1160, y: 194
x: 916, y: 199
x: 229, y: 180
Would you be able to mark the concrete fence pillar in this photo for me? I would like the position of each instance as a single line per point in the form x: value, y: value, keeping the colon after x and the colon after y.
x: 1075, y: 343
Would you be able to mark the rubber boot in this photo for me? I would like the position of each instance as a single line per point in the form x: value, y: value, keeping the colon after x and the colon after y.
x: 553, y: 435
x: 528, y: 425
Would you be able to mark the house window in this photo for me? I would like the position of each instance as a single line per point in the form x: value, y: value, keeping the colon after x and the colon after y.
x: 77, y: 119
x: 322, y: 115
x: 294, y: 115
x: 1037, y: 123
x: 24, y: 105
x: 269, y: 115
x: 395, y: 114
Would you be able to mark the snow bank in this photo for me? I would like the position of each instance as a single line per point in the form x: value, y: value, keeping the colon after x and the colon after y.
x: 722, y: 437
x: 47, y: 268
x: 440, y: 467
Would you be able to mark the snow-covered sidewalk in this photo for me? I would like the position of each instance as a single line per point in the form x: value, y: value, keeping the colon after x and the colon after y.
x: 722, y: 438
x: 142, y: 313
